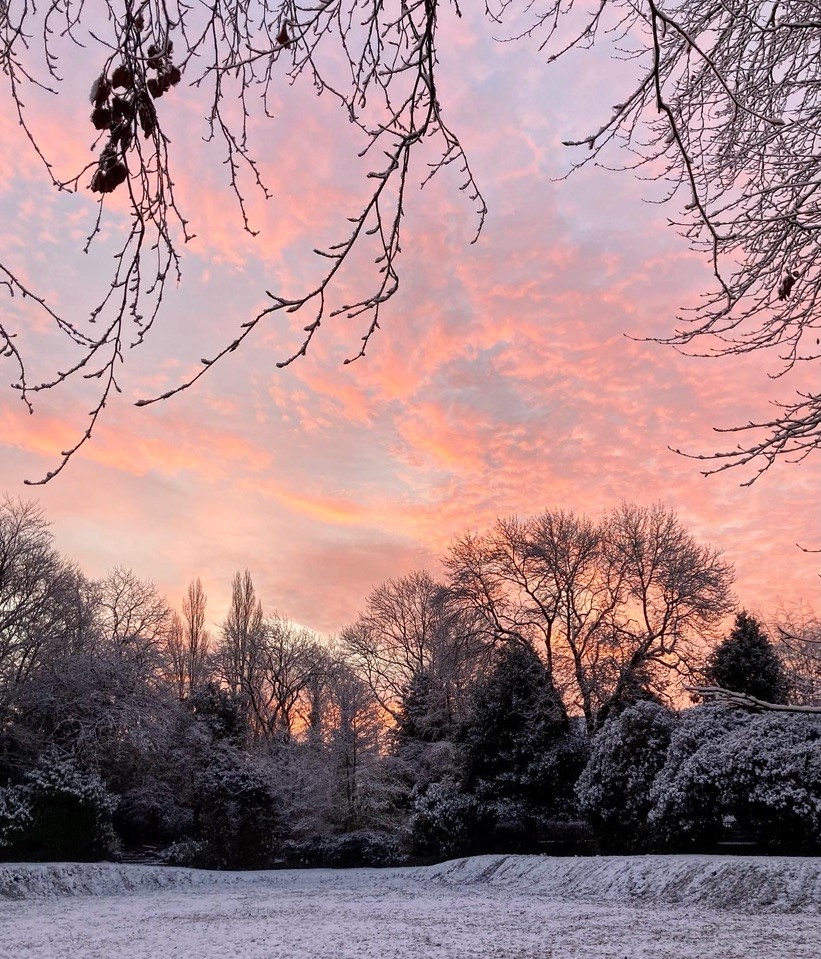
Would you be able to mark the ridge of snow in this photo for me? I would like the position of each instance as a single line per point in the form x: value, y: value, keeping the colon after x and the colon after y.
x: 739, y: 884
x: 743, y: 884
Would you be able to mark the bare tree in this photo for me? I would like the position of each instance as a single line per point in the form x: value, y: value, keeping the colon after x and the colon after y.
x: 377, y: 61
x: 410, y: 627
x: 242, y: 633
x: 177, y: 660
x: 196, y: 638
x: 616, y: 606
x: 355, y: 730
x: 42, y: 598
x: 271, y: 663
x: 290, y: 660
x: 723, y: 112
x: 796, y: 633
x: 133, y: 620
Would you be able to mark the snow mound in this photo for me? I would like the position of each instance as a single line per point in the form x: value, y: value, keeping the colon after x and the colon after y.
x: 752, y: 885
x: 52, y: 880
x: 744, y: 884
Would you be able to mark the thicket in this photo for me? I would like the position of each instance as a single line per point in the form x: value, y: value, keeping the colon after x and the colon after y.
x: 503, y: 709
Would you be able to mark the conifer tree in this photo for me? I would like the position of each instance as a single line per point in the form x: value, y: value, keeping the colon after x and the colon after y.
x: 513, y: 742
x: 746, y: 662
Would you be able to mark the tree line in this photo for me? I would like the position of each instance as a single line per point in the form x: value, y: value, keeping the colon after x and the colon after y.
x: 532, y: 696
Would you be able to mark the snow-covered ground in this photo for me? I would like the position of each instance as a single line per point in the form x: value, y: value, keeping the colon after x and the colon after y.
x: 488, y: 907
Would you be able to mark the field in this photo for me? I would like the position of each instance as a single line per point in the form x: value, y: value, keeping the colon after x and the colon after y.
x: 482, y: 908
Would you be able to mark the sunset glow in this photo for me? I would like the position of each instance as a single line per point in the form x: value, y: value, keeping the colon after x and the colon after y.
x: 504, y: 379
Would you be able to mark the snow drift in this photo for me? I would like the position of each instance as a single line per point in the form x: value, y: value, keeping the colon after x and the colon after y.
x: 754, y: 884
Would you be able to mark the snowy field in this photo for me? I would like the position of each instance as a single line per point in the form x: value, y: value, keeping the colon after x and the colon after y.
x: 489, y: 907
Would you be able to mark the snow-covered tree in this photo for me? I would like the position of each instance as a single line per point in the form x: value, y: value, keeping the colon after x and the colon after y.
x: 614, y: 790
x: 760, y: 772
x: 516, y: 746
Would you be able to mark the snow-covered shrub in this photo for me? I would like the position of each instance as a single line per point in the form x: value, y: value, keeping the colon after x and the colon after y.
x: 762, y: 771
x: 15, y: 816
x: 186, y: 852
x: 63, y: 812
x: 774, y: 779
x: 687, y: 802
x: 238, y: 814
x: 614, y: 789
x: 446, y: 823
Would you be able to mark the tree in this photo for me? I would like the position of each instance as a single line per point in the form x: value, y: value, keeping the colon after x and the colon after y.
x: 410, y: 627
x: 267, y: 662
x: 133, y: 620
x: 238, y: 653
x: 797, y: 635
x: 746, y: 662
x: 512, y: 738
x: 41, y: 596
x: 618, y: 606
x: 192, y: 649
x: 723, y: 111
x: 763, y: 772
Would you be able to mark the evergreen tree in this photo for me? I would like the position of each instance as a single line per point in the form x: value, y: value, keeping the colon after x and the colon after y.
x: 514, y: 740
x: 424, y: 714
x: 746, y: 662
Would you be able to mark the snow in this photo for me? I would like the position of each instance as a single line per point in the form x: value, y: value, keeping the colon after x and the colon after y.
x: 487, y: 907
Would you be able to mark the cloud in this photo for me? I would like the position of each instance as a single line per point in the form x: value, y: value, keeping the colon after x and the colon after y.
x: 501, y: 380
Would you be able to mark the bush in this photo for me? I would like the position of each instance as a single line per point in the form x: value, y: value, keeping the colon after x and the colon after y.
x: 59, y: 812
x: 763, y: 772
x: 614, y: 789
x: 346, y: 851
x: 447, y: 823
x: 686, y: 798
x: 238, y: 815
x: 15, y: 817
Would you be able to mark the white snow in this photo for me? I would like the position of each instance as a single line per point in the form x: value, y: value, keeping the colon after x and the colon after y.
x: 487, y: 907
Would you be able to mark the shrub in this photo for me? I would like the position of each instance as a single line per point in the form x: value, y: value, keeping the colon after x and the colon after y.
x: 447, y: 823
x: 238, y: 815
x: 348, y: 850
x: 15, y: 817
x: 59, y: 812
x: 614, y: 789
x: 762, y: 771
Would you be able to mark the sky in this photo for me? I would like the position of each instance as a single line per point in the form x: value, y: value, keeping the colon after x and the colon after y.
x: 509, y: 375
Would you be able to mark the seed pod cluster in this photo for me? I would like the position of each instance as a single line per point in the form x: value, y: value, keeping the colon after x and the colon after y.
x: 120, y: 102
x: 113, y: 111
x: 166, y: 74
x: 111, y: 170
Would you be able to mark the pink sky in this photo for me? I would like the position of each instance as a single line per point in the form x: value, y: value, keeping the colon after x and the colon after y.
x: 501, y: 382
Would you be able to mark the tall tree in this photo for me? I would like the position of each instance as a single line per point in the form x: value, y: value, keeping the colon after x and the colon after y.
x: 616, y: 606
x: 239, y: 651
x: 516, y: 721
x: 190, y: 642
x: 746, y: 662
